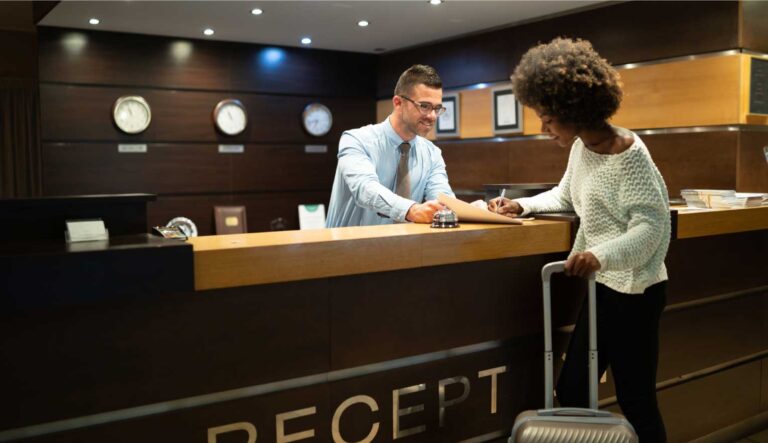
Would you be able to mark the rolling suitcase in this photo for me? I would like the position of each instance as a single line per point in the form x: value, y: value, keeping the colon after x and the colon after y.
x: 573, y: 425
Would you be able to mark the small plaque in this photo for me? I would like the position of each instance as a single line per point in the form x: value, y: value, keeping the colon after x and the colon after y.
x: 132, y: 148
x: 230, y: 219
x: 170, y: 232
x: 231, y: 149
x: 85, y: 230
x: 315, y: 149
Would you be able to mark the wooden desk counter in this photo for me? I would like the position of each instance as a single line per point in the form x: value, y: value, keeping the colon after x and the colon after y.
x: 721, y: 221
x: 271, y: 257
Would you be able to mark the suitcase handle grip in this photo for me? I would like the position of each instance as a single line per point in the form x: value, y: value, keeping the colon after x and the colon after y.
x: 579, y: 412
x: 546, y: 277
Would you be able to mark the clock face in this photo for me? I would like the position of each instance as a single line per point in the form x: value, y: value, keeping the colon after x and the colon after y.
x: 230, y: 117
x: 131, y: 114
x: 317, y: 119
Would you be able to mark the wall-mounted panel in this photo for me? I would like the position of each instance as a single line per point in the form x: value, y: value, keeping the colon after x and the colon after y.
x: 96, y: 168
x: 84, y: 113
x: 752, y: 173
x: 656, y: 33
x: 110, y: 58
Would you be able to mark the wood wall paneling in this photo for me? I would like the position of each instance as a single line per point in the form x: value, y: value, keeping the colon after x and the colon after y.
x: 84, y: 113
x: 754, y: 26
x: 17, y: 16
x: 714, y: 157
x: 476, y: 115
x: 18, y: 59
x: 716, y: 265
x: 137, y: 351
x: 109, y: 58
x: 685, y: 93
x: 98, y: 168
x: 655, y: 34
x: 752, y: 168
x: 697, y: 408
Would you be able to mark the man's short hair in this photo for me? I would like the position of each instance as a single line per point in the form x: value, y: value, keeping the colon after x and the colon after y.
x: 417, y: 75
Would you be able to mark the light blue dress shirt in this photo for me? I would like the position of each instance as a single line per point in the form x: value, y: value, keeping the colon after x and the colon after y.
x: 366, y: 176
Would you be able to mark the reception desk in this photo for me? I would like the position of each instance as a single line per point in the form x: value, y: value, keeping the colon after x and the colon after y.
x: 397, y: 332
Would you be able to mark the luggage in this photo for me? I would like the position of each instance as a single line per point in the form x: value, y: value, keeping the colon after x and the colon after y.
x: 574, y: 425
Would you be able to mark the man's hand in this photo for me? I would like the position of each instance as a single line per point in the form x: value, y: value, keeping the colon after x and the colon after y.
x: 505, y: 206
x: 423, y: 213
x: 582, y: 265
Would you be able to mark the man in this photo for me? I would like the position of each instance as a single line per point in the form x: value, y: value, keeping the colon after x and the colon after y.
x: 387, y: 170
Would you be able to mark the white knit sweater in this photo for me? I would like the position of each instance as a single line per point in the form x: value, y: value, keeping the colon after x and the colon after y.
x: 623, y: 205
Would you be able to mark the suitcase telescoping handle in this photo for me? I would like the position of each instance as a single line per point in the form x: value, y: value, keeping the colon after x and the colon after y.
x: 546, y: 277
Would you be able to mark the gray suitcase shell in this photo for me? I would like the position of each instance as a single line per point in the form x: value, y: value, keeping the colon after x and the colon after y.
x: 573, y: 425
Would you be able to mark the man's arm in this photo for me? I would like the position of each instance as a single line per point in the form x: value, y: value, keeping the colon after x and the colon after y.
x: 437, y: 182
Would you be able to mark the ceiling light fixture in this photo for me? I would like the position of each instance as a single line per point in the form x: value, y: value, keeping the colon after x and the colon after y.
x: 362, y: 23
x: 435, y: 2
x: 208, y: 31
x: 94, y: 21
x: 256, y: 11
x: 306, y: 41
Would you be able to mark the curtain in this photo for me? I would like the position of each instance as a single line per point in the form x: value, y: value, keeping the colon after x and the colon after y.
x: 20, y: 151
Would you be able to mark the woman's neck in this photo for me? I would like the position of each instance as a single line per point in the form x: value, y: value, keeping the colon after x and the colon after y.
x: 602, y: 141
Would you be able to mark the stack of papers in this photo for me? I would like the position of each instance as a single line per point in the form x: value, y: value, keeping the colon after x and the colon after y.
x: 468, y: 213
x: 723, y: 198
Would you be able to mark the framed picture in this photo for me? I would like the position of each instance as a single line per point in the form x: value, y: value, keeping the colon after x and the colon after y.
x: 507, y: 111
x: 448, y: 122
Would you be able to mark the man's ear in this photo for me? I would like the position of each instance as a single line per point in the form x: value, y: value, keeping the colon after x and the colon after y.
x: 397, y: 101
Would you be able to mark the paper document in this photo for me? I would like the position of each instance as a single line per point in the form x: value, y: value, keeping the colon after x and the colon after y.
x: 469, y: 213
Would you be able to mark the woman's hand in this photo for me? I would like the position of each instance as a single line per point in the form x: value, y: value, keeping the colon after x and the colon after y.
x: 505, y: 206
x: 582, y: 264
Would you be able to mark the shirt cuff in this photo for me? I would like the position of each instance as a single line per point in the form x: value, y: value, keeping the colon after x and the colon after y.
x: 400, y: 209
x: 523, y: 205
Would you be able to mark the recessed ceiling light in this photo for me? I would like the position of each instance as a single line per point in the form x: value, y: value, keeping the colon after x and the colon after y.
x: 256, y: 11
x: 435, y: 2
x: 208, y: 31
x: 362, y: 23
x: 94, y: 21
x: 306, y: 41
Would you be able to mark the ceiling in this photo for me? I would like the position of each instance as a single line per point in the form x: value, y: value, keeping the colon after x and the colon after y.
x: 330, y: 24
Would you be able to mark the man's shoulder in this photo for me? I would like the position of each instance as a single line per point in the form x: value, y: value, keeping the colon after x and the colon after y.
x: 365, y: 132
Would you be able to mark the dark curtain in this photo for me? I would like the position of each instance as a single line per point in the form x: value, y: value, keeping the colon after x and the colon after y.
x: 20, y: 152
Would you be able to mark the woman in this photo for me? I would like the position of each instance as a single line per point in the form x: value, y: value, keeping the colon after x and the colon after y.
x: 621, y: 199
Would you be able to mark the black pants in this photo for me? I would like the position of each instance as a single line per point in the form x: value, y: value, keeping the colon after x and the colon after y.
x: 628, y: 342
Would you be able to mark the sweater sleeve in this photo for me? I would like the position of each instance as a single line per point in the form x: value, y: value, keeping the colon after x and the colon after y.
x: 557, y: 199
x: 643, y: 198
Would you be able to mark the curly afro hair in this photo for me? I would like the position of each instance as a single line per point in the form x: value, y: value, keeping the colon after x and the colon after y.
x: 569, y: 80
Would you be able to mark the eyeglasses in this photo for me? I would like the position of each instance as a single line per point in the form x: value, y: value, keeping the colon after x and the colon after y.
x: 425, y: 107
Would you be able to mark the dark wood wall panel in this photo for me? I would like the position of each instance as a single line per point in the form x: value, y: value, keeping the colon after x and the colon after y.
x: 709, y: 266
x: 752, y: 173
x: 83, y: 168
x: 261, y: 208
x: 109, y: 58
x: 710, y: 335
x: 471, y: 164
x: 754, y: 25
x: 695, y: 160
x: 95, y: 168
x: 659, y: 30
x: 697, y: 408
x: 84, y: 113
x: 19, y: 58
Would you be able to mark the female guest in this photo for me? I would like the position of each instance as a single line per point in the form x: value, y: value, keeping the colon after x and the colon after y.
x: 618, y: 193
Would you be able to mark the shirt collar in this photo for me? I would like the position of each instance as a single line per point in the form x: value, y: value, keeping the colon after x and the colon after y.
x: 393, y: 137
